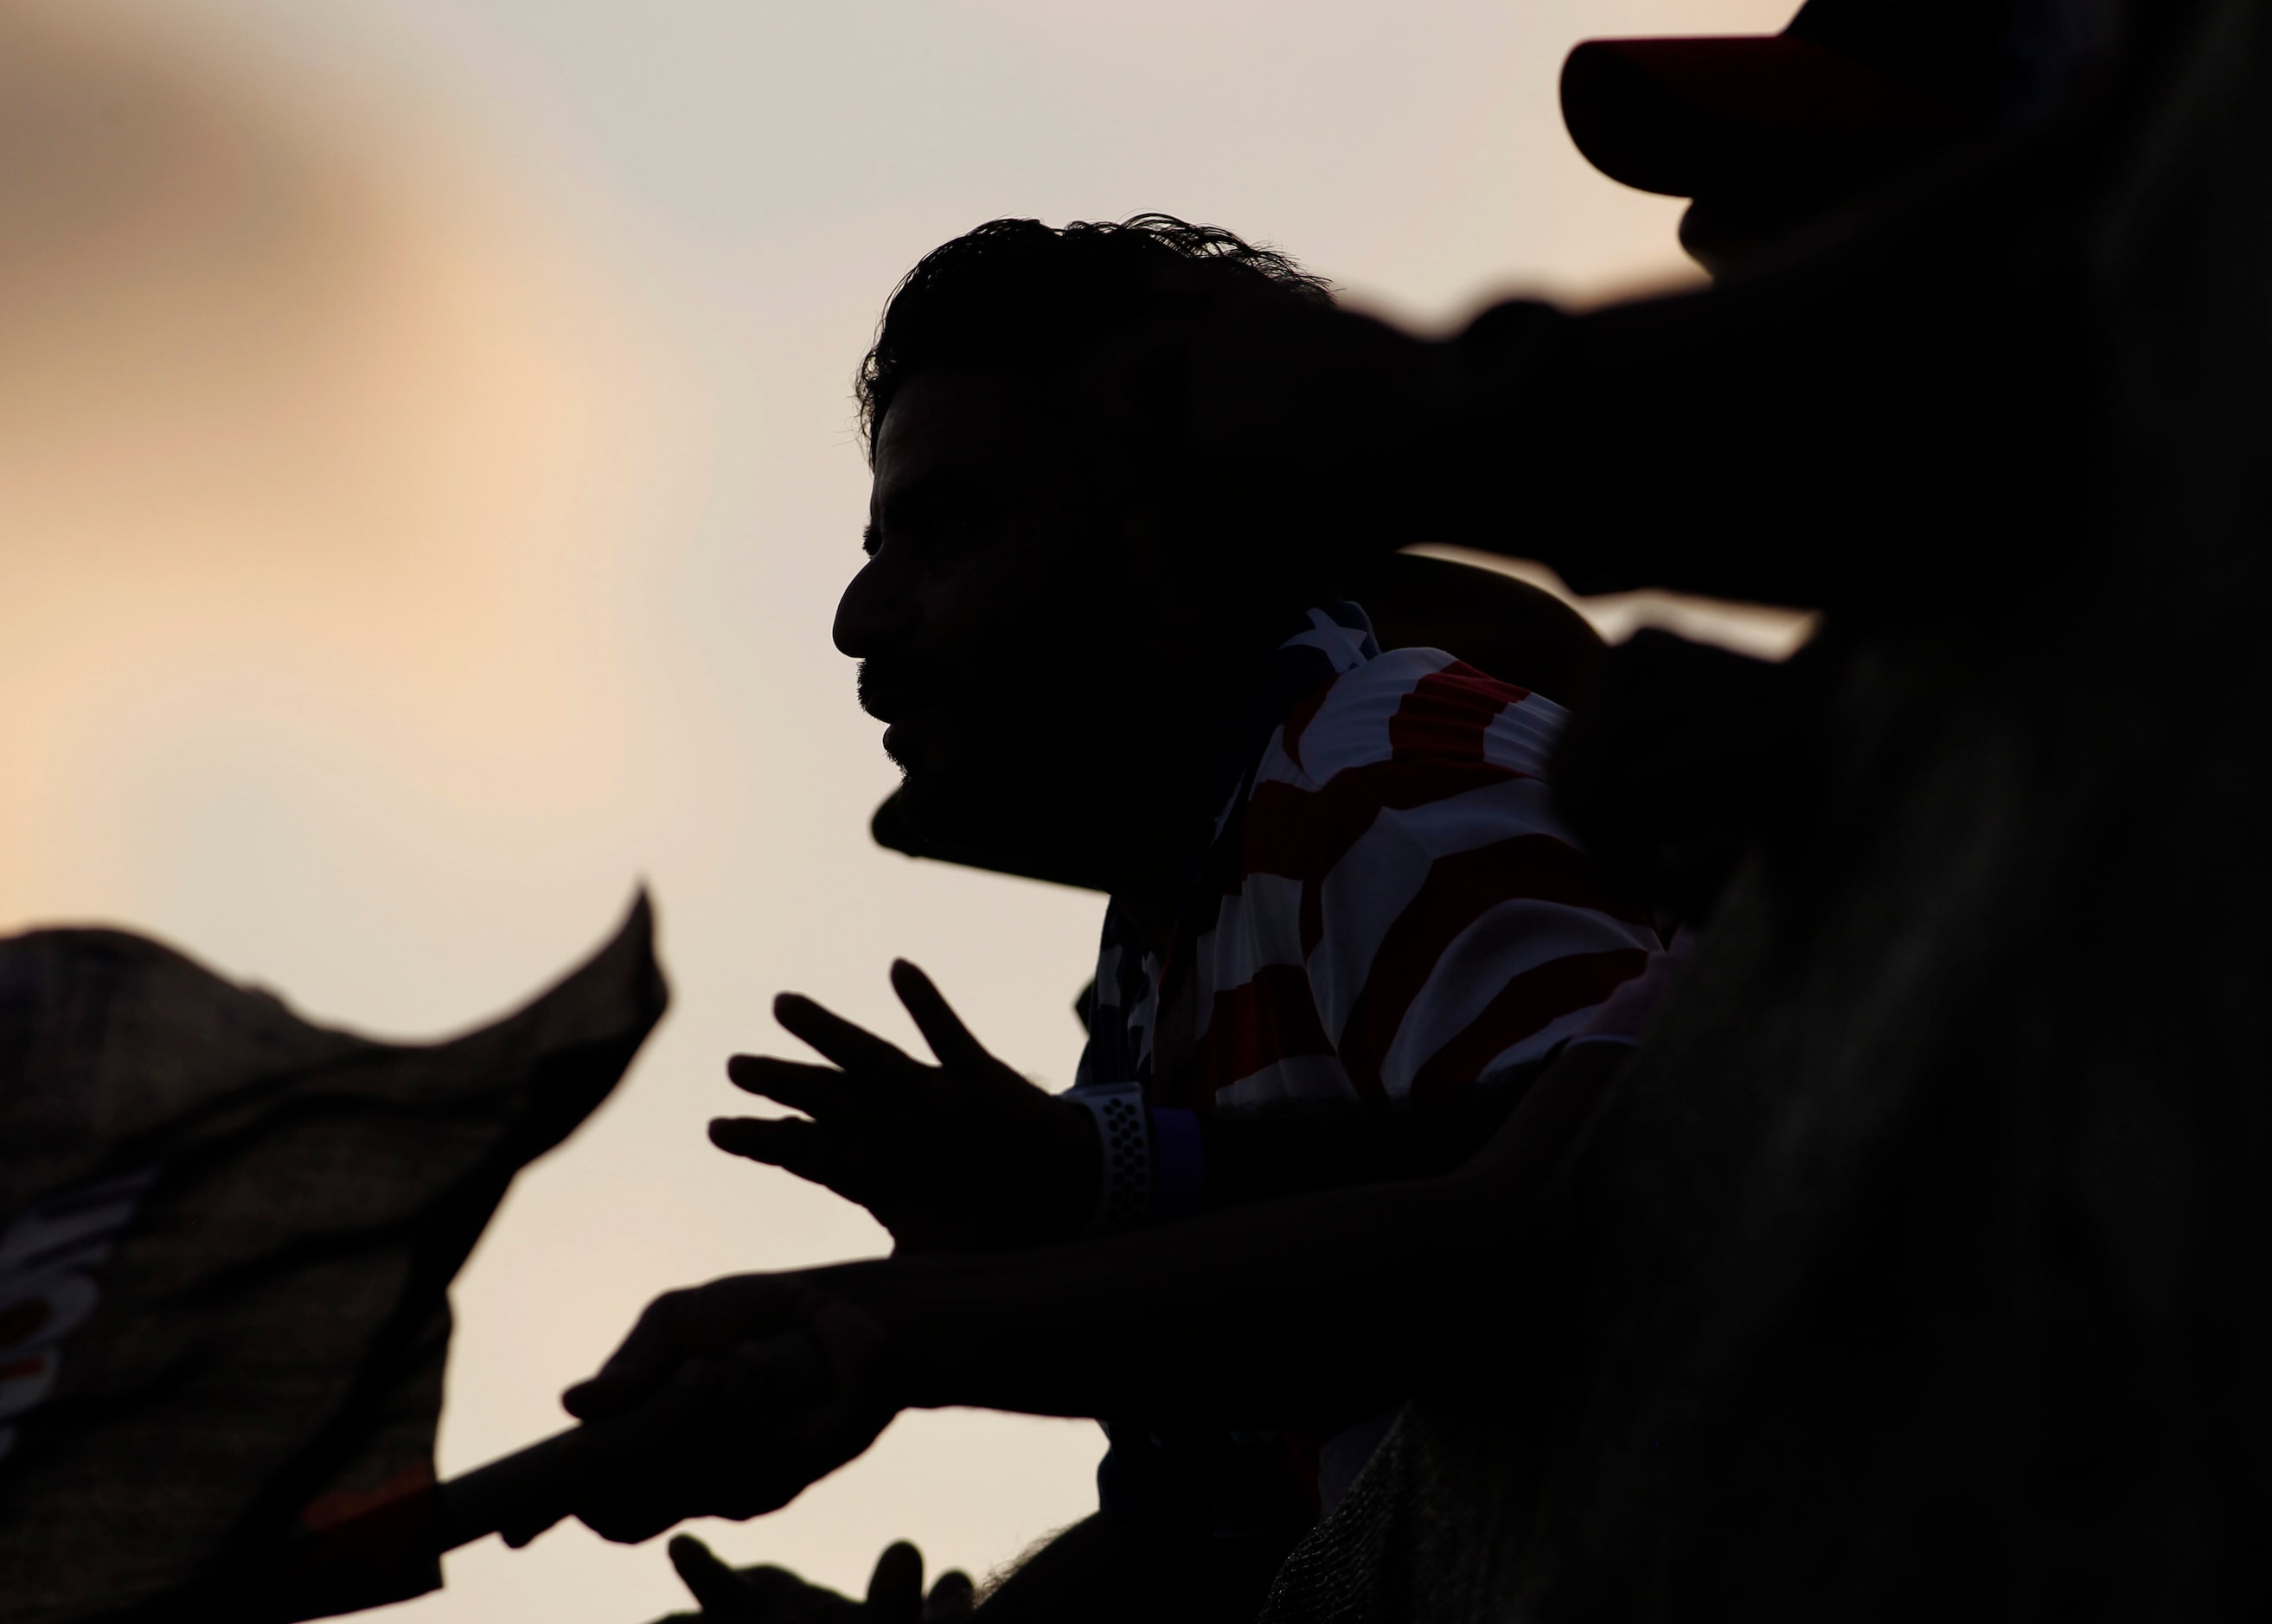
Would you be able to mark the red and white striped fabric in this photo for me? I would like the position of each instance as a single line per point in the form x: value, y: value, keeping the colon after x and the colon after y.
x: 1398, y: 912
x: 1410, y: 915
x: 1389, y: 909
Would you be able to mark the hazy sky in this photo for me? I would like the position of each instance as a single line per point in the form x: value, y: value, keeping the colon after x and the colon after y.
x: 427, y: 468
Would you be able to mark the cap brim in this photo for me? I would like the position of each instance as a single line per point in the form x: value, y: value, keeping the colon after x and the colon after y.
x: 1689, y: 116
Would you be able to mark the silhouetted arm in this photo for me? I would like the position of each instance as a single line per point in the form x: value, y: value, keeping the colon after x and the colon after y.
x: 1277, y: 1312
x: 1825, y: 430
x: 728, y: 1399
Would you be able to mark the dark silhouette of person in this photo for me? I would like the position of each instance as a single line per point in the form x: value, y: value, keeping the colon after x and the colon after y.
x: 1345, y: 925
x: 1909, y: 1271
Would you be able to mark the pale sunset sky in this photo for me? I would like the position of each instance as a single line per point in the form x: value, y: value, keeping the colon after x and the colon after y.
x: 428, y: 472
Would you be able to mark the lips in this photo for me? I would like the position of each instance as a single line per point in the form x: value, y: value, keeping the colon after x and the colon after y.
x: 909, y: 735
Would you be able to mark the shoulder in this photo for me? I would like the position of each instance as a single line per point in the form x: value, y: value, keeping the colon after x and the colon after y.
x: 1418, y: 707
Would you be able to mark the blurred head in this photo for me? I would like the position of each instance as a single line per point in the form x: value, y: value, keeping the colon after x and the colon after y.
x: 1038, y: 598
x: 1770, y: 135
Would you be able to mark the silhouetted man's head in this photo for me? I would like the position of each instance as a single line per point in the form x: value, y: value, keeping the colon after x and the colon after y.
x: 1039, y: 600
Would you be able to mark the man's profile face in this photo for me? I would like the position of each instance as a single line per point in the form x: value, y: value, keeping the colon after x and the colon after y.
x: 986, y: 634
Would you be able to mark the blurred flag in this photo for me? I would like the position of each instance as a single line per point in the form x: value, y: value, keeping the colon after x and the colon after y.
x: 226, y: 1237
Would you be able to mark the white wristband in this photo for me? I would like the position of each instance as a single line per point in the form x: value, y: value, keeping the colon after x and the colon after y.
x: 1124, y: 1137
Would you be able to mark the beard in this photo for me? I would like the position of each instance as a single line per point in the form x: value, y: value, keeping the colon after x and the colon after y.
x: 997, y: 759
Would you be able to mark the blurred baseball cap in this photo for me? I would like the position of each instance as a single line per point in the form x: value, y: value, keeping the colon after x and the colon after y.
x: 1850, y: 89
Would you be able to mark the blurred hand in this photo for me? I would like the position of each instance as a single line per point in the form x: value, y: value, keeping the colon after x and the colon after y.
x: 963, y: 1156
x: 726, y: 1400
x: 775, y: 1595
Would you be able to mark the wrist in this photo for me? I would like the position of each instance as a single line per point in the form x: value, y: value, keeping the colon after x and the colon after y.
x: 1120, y: 1187
x: 1074, y: 1161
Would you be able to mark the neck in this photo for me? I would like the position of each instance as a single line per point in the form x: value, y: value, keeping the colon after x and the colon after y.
x: 1198, y: 723
x: 1154, y: 871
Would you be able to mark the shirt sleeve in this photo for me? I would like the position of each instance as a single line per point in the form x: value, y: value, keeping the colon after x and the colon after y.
x: 1625, y: 1014
x: 1464, y: 932
x: 1178, y: 1164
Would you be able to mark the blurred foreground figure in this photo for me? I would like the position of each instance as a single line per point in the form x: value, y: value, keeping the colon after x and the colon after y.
x: 1914, y: 1270
x: 223, y: 1273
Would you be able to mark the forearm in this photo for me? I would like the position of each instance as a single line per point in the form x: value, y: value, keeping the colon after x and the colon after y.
x: 1195, y: 1316
x: 1276, y: 1313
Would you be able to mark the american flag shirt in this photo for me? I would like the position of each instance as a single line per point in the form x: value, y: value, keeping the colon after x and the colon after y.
x: 1384, y: 911
x: 1387, y: 909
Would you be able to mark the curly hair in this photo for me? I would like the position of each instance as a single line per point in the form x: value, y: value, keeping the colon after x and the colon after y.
x: 1021, y: 294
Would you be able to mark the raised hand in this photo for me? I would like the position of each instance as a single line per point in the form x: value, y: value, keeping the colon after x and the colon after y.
x: 768, y: 1594
x: 963, y: 1156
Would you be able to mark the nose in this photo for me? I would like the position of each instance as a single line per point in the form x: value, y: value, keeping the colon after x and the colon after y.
x: 874, y: 611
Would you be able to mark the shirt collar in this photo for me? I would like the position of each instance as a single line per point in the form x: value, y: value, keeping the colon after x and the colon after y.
x: 1321, y: 642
